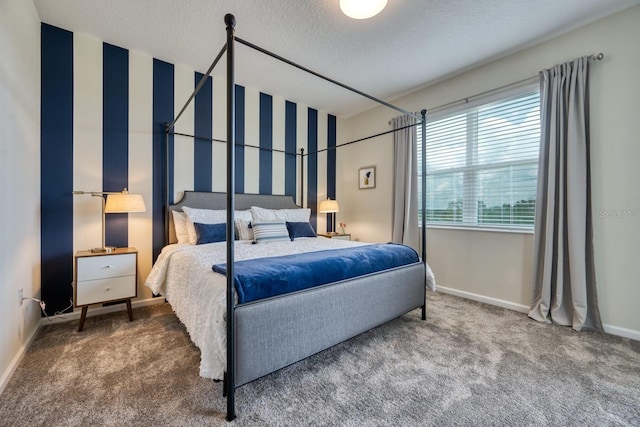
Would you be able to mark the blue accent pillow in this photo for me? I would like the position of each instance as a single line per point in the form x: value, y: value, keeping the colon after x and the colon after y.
x: 210, y: 233
x: 300, y: 229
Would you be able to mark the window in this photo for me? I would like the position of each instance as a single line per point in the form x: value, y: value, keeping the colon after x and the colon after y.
x: 482, y: 162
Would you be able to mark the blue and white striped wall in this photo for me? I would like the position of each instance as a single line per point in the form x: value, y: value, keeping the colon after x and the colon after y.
x: 103, y: 110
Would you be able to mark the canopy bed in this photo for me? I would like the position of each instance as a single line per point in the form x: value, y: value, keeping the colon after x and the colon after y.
x: 242, y: 339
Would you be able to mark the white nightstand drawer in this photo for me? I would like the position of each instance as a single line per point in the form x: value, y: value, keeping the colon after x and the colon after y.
x: 342, y: 237
x: 103, y: 290
x: 105, y: 277
x: 102, y: 267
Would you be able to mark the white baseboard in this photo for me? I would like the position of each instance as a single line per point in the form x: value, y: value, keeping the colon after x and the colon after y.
x: 487, y: 300
x: 6, y: 376
x: 609, y: 329
x: 622, y: 332
x: 96, y: 311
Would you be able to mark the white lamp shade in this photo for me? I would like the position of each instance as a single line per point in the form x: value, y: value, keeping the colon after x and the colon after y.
x: 124, y: 203
x: 328, y: 206
x: 362, y: 9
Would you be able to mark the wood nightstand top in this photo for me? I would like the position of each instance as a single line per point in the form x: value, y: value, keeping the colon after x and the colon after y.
x: 334, y: 235
x: 116, y: 251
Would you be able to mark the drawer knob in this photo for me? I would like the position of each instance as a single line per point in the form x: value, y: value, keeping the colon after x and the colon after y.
x: 107, y: 289
x: 107, y: 266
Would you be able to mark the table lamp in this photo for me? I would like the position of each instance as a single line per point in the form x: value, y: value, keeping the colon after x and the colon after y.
x: 331, y: 207
x: 115, y: 202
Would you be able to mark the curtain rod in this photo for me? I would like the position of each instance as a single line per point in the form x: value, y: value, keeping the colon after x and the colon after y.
x: 486, y: 92
x: 595, y: 57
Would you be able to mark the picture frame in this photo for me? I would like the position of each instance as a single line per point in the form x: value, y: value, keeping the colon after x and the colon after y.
x: 367, y: 177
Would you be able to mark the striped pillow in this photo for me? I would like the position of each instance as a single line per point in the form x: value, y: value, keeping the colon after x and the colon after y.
x: 270, y: 231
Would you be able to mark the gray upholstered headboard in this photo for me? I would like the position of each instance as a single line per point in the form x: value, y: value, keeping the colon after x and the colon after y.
x: 207, y: 200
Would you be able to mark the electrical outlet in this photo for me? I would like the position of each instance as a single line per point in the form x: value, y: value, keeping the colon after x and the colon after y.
x: 20, y: 295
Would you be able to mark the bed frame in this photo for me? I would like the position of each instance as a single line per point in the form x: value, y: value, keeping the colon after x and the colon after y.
x: 275, y: 332
x: 267, y: 335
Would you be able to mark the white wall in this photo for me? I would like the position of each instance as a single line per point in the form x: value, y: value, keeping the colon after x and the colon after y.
x: 498, y: 265
x: 19, y: 178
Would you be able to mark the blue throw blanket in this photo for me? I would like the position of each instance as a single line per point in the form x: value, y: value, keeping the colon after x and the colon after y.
x: 266, y: 277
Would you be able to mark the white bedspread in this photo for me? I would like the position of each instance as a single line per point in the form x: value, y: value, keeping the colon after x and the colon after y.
x: 183, y: 275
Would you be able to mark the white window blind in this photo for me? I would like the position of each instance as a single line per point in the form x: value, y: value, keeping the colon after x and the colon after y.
x: 482, y: 163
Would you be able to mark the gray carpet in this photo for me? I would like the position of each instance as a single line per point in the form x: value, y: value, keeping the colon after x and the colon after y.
x: 468, y: 364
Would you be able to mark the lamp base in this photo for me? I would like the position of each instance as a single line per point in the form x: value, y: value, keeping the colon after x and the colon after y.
x: 106, y: 249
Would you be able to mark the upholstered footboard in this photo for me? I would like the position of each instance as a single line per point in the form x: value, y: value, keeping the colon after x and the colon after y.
x: 276, y: 332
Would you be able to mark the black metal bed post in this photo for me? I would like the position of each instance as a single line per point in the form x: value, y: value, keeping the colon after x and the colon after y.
x: 302, y: 177
x: 167, y: 218
x: 423, y: 208
x: 230, y: 382
x: 330, y: 80
x: 198, y: 87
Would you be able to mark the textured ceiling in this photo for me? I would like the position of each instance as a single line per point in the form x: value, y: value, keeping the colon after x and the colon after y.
x: 410, y: 44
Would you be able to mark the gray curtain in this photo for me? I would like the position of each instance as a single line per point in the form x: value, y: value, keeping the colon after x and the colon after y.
x: 564, y: 282
x: 405, y: 183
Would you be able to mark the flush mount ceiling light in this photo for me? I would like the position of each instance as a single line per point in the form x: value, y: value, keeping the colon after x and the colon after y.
x: 362, y: 9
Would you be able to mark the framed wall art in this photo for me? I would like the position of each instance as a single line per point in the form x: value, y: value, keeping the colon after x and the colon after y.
x: 367, y: 177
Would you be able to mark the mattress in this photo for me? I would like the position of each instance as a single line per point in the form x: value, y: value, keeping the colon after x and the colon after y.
x: 183, y: 275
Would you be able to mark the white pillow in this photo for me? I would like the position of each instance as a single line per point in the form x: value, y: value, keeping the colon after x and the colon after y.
x: 270, y: 231
x: 291, y: 215
x: 209, y: 216
x: 180, y: 225
x: 244, y: 229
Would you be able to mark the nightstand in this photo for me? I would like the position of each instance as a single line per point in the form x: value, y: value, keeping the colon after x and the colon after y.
x: 105, y: 277
x: 338, y: 236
